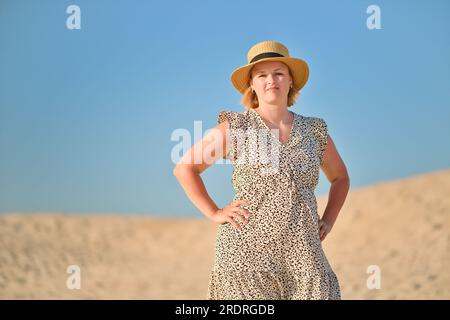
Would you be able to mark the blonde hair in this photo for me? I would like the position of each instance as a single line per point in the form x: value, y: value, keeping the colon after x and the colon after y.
x: 250, y: 99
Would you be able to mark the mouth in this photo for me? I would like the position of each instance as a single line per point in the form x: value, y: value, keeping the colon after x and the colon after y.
x: 273, y: 88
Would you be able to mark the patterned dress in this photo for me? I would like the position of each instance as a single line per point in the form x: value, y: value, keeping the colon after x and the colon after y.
x: 278, y: 254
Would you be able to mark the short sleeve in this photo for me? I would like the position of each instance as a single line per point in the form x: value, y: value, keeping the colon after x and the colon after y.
x: 226, y: 115
x: 236, y: 121
x: 321, y: 133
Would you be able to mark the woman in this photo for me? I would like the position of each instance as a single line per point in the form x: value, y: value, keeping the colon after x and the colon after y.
x: 268, y: 243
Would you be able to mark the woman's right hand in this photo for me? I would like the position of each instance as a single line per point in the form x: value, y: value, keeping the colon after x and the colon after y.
x: 232, y: 211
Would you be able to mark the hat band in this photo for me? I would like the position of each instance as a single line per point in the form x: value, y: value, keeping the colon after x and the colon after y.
x: 265, y: 55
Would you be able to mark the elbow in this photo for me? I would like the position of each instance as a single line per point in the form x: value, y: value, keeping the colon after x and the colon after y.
x: 345, y: 176
x: 346, y: 180
x: 176, y: 171
x: 343, y: 179
x: 180, y: 170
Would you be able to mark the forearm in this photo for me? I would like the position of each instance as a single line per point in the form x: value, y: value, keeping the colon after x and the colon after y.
x: 336, y: 198
x: 195, y: 189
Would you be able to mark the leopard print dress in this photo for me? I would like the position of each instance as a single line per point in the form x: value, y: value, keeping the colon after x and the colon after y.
x: 278, y: 253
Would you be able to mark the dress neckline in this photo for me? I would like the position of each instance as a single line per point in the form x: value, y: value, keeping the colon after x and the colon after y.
x: 291, y: 133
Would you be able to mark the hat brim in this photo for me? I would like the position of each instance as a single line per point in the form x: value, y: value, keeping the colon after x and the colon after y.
x: 299, y: 69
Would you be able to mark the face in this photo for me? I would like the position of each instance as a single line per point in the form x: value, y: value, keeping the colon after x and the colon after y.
x: 271, y: 81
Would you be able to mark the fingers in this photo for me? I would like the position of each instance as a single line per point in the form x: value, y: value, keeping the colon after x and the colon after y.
x: 234, y: 223
x: 239, y: 202
x: 323, y: 229
x: 237, y: 213
x: 320, y: 227
x: 322, y: 233
x: 243, y: 212
x: 239, y: 217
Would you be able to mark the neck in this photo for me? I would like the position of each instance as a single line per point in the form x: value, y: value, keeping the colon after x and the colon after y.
x: 274, y: 113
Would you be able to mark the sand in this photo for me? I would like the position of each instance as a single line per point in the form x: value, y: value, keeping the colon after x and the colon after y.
x: 401, y: 226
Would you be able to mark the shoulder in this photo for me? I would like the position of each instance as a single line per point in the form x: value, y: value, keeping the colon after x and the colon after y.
x: 236, y: 119
x: 316, y: 124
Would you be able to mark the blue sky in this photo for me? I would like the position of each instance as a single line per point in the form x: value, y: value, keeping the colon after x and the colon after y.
x: 86, y: 115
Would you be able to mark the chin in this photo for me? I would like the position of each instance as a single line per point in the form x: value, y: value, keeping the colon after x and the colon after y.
x: 272, y: 101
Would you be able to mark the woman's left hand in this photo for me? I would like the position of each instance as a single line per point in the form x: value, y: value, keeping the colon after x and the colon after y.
x: 324, y: 229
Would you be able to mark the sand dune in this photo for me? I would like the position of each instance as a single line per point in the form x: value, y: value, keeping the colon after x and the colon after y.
x: 400, y: 226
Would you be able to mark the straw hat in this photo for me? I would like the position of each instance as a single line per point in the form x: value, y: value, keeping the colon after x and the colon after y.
x: 270, y: 51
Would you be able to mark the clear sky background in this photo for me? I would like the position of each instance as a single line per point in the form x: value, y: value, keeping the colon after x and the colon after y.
x: 86, y: 116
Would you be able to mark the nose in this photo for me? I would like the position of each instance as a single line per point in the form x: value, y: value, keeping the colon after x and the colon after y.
x: 270, y: 78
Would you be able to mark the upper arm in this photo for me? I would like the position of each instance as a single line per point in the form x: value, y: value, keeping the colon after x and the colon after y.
x: 212, y: 147
x: 332, y: 164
